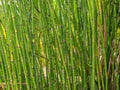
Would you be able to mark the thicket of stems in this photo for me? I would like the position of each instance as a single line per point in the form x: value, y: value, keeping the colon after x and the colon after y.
x: 60, y: 44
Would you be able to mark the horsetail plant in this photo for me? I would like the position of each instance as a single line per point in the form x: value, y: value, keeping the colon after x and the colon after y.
x: 59, y: 44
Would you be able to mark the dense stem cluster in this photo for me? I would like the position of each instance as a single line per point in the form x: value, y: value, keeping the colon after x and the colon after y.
x: 60, y: 44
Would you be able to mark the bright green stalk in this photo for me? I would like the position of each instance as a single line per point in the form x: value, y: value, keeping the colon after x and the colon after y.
x: 92, y: 13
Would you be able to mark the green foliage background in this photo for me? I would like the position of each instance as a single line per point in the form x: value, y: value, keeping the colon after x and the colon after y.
x: 60, y: 44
